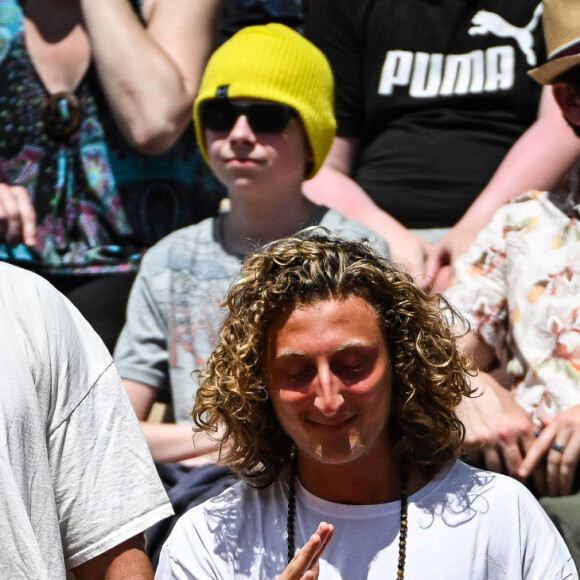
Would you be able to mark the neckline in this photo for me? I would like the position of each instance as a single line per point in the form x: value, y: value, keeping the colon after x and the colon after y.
x: 330, y: 508
x: 218, y: 236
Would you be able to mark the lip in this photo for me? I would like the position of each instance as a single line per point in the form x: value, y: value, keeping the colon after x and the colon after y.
x: 331, y: 425
x: 241, y: 162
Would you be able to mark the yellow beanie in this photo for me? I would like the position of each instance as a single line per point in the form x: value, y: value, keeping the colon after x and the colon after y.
x: 274, y: 63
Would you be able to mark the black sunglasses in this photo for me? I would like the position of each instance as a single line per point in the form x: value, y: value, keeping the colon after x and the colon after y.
x: 222, y: 114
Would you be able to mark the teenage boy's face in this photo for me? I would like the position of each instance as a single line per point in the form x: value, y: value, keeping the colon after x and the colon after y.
x: 244, y: 159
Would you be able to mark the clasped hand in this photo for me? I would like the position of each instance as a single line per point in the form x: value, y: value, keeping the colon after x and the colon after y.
x: 502, y: 437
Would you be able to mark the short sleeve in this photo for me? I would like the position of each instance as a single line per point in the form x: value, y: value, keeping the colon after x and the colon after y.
x: 106, y: 487
x: 141, y: 353
x: 479, y: 288
x: 330, y: 25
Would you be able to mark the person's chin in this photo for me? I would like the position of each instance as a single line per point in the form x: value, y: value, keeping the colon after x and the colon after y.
x: 337, y: 448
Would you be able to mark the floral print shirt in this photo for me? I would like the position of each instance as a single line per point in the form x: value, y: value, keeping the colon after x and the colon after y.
x: 519, y: 287
x: 99, y: 202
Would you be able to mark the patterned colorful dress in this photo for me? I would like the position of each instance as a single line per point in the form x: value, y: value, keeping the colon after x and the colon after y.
x: 99, y: 202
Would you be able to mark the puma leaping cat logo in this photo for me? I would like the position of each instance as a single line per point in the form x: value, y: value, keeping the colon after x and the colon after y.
x: 485, y: 22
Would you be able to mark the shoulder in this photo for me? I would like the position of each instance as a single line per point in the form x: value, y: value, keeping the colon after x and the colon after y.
x: 505, y: 492
x: 530, y: 203
x: 238, y: 513
x: 530, y: 216
x: 227, y: 506
x: 201, y: 232
x: 341, y: 226
x: 30, y: 301
x: 181, y: 246
x: 21, y: 285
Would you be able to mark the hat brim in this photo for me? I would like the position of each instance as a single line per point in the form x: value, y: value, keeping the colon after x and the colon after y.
x: 546, y: 73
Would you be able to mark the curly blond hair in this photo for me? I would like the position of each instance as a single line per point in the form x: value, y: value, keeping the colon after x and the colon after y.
x: 430, y: 375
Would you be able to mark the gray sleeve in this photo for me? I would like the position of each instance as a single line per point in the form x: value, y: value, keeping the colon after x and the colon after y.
x: 141, y: 353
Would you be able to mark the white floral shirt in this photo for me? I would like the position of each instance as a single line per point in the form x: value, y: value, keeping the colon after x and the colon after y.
x: 519, y: 287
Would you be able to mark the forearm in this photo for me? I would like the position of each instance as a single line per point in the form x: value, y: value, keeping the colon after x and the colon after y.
x: 127, y: 561
x: 169, y: 442
x: 150, y: 75
x: 332, y: 188
x: 538, y: 160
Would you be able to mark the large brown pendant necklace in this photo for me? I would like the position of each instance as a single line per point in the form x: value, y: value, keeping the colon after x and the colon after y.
x: 62, y: 115
x: 402, y: 528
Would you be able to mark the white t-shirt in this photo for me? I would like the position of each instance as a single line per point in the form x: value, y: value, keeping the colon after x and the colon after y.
x: 76, y: 476
x: 466, y: 524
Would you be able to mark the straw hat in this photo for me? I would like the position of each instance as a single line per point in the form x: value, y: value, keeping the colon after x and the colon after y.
x: 561, y: 21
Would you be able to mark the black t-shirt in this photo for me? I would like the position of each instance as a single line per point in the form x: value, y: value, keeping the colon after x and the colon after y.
x: 436, y: 91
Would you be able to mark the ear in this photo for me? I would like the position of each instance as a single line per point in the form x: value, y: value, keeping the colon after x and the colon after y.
x: 569, y: 101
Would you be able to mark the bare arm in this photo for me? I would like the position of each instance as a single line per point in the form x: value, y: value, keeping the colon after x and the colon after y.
x: 127, y: 561
x: 539, y: 159
x: 167, y: 442
x: 151, y: 74
x: 333, y: 188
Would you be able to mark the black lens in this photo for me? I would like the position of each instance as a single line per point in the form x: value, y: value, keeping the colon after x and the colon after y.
x: 269, y: 118
x: 218, y: 115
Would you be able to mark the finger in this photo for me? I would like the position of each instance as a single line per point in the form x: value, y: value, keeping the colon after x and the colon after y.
x: 17, y: 215
x: 492, y: 460
x: 512, y: 456
x: 324, y: 532
x: 326, y: 537
x: 539, y: 479
x: 9, y: 215
x: 27, y: 216
x: 435, y: 260
x: 307, y: 557
x: 569, y: 465
x: 536, y: 452
x: 442, y: 279
x: 553, y: 464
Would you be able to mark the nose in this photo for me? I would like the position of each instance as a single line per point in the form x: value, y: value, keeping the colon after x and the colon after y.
x: 241, y: 131
x: 328, y: 393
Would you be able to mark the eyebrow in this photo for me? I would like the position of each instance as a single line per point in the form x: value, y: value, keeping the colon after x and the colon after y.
x: 353, y: 344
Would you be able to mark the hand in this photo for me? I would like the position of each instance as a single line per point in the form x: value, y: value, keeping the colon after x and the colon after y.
x: 498, y: 431
x: 412, y: 252
x: 445, y: 252
x: 304, y: 566
x: 561, y: 468
x: 17, y: 216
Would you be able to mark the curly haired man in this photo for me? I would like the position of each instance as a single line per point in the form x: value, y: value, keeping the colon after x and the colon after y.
x: 335, y: 384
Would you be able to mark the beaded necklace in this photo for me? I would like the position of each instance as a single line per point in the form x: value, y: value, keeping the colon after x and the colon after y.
x: 402, y: 528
